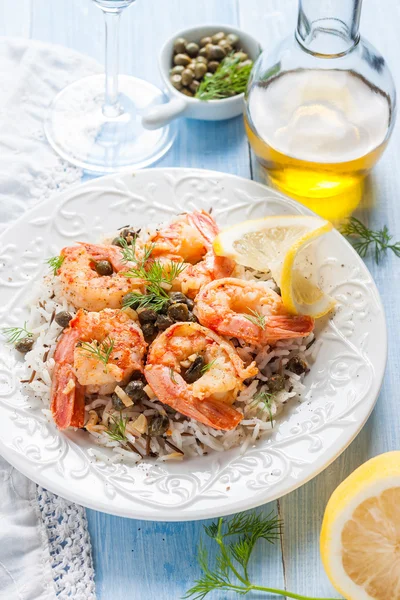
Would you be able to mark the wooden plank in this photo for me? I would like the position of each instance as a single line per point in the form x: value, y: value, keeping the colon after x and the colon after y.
x: 15, y: 18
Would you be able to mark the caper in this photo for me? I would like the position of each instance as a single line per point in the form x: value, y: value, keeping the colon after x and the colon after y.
x: 276, y: 383
x: 192, y: 318
x: 215, y: 52
x: 138, y: 375
x: 226, y: 46
x: 194, y: 372
x: 232, y: 38
x: 135, y: 391
x: 201, y: 59
x: 147, y: 315
x: 245, y: 63
x: 192, y: 49
x: 176, y: 81
x: 163, y: 322
x: 131, y: 299
x: 186, y: 92
x: 242, y: 56
x: 158, y: 425
x: 104, y: 268
x: 217, y: 37
x: 200, y: 70
x: 202, y: 53
x: 194, y: 86
x: 149, y: 331
x: 213, y: 66
x: 117, y: 402
x: 178, y: 297
x: 187, y: 77
x: 297, y: 365
x: 63, y: 318
x: 178, y: 312
x: 25, y: 345
x: 177, y: 70
x: 180, y: 45
x: 182, y: 59
x: 128, y: 235
x: 118, y: 241
x: 191, y: 66
x: 205, y: 40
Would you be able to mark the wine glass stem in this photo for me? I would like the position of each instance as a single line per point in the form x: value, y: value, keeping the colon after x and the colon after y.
x: 111, y: 108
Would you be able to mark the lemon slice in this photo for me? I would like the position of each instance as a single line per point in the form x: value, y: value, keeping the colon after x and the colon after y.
x: 282, y: 245
x: 360, y: 536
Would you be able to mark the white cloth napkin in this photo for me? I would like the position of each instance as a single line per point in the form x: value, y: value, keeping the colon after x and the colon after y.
x: 44, y: 543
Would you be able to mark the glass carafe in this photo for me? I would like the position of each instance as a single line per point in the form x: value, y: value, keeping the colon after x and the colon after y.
x: 320, y: 109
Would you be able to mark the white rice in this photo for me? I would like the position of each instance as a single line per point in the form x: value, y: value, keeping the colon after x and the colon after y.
x: 188, y: 436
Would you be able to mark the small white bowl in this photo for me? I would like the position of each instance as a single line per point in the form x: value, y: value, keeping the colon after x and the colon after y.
x: 192, y: 108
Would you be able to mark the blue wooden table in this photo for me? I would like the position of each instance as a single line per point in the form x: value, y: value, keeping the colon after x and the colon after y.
x: 136, y: 559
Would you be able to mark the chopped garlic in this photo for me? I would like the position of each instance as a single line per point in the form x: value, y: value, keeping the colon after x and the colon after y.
x: 69, y: 387
x: 149, y: 392
x: 140, y: 424
x: 192, y: 357
x: 123, y: 396
x: 132, y: 314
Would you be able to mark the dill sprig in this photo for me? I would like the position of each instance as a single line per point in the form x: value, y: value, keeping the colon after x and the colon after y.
x: 208, y: 366
x: 101, y: 351
x: 158, y: 279
x: 266, y: 398
x: 14, y: 334
x: 364, y: 238
x: 231, y: 572
x: 117, y: 431
x: 256, y: 318
x: 55, y: 263
x: 228, y: 80
x: 129, y: 252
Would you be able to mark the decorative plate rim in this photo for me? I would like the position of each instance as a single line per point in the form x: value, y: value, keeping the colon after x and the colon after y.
x: 257, y: 495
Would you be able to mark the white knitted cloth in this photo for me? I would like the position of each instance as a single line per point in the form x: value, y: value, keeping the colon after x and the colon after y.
x: 45, y: 549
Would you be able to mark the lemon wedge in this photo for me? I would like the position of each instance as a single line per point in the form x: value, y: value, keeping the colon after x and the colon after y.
x: 360, y: 536
x: 282, y: 245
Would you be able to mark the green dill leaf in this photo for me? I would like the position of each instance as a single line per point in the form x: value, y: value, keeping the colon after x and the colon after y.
x: 55, y: 263
x: 208, y: 366
x: 101, y: 351
x: 228, y: 80
x: 14, y: 334
x: 256, y: 318
x: 172, y: 375
x: 363, y: 239
x: 266, y: 398
x: 117, y: 430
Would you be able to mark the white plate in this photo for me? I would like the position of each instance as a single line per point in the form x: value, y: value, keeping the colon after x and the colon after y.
x: 342, y: 386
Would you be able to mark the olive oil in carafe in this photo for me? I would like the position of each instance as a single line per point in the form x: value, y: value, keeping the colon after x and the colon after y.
x: 318, y: 133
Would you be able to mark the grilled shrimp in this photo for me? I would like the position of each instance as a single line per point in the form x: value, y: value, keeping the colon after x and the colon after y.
x: 189, y: 239
x: 84, y: 287
x: 230, y: 307
x: 77, y: 369
x: 209, y: 397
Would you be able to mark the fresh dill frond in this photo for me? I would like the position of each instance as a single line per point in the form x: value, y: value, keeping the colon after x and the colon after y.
x: 129, y: 252
x: 363, y: 238
x: 14, y: 334
x: 228, y: 80
x: 158, y: 278
x: 101, y: 351
x: 266, y: 399
x: 172, y: 375
x: 117, y: 431
x: 55, y: 263
x: 208, y: 366
x: 256, y: 318
x: 231, y: 570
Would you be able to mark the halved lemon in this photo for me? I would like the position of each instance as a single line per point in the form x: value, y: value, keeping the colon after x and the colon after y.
x: 282, y: 245
x: 360, y: 536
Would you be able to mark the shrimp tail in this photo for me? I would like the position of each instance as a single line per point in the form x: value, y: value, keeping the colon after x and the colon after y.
x: 213, y: 413
x: 67, y: 395
x: 68, y: 398
x: 205, y: 225
x: 288, y: 326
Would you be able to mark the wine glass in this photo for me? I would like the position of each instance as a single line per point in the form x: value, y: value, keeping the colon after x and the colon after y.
x: 96, y: 122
